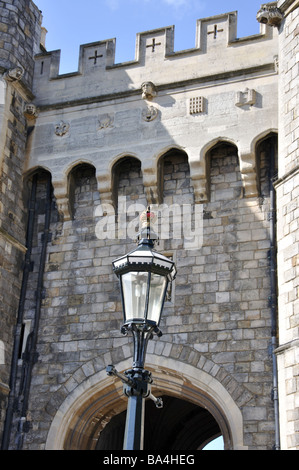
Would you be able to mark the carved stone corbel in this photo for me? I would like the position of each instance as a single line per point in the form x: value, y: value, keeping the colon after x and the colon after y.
x: 199, y: 180
x: 30, y: 111
x: 105, y: 188
x: 14, y: 75
x: 63, y: 206
x: 62, y: 200
x: 200, y: 190
x: 152, y: 191
x: 248, y: 174
x: 270, y: 15
x: 148, y: 91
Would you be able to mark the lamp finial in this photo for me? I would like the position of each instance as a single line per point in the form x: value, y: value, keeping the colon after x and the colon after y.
x: 147, y: 219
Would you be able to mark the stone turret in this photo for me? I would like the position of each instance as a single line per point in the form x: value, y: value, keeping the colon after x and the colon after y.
x: 20, y: 23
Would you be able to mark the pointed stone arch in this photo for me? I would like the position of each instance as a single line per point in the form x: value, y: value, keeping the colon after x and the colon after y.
x: 28, y: 175
x: 40, y: 172
x: 121, y: 169
x: 247, y: 161
x: 270, y: 132
x: 106, y: 180
x: 172, y: 152
x: 227, y: 153
x: 62, y: 188
x: 205, y: 156
x: 153, y: 174
x: 36, y: 169
x: 83, y: 413
x: 76, y: 173
x: 266, y: 144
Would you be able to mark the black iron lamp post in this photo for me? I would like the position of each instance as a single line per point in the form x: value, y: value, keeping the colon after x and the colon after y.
x: 144, y: 276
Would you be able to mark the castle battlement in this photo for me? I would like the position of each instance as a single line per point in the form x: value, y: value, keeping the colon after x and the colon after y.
x: 217, y: 51
x: 189, y: 100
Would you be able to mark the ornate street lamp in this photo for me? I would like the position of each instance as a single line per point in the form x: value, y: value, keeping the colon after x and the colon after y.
x: 144, y: 276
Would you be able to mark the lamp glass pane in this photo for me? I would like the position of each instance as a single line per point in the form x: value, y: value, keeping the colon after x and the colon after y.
x: 134, y: 286
x: 158, y: 287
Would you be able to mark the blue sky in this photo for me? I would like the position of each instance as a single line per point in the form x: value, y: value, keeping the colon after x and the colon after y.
x: 74, y: 22
x: 217, y: 444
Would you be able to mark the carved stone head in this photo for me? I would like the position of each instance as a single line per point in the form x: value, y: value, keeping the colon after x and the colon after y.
x: 30, y: 111
x: 148, y: 90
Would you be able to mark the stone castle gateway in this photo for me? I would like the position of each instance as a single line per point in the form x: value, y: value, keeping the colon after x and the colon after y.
x: 214, y: 130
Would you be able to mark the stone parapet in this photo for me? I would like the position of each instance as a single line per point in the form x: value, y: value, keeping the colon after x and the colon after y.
x: 217, y: 51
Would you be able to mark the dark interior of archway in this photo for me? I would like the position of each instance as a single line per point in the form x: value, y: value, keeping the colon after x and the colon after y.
x: 179, y: 425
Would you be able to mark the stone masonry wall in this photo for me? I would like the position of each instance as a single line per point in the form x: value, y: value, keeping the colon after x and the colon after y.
x: 288, y: 98
x: 288, y: 229
x: 20, y: 35
x: 218, y: 307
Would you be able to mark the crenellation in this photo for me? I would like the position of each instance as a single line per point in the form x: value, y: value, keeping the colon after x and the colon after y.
x: 97, y: 59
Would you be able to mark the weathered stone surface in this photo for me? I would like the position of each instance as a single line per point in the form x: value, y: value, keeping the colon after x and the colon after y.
x: 198, y: 141
x: 287, y: 227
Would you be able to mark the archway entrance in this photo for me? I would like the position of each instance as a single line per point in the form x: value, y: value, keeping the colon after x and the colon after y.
x: 179, y: 425
x: 197, y: 409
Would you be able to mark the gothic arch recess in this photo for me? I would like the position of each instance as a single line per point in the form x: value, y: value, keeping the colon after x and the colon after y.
x: 27, y: 179
x: 86, y: 412
x: 266, y: 150
x: 178, y: 159
x: 42, y: 174
x: 222, y: 148
x: 127, y: 179
x: 269, y: 133
x: 81, y: 179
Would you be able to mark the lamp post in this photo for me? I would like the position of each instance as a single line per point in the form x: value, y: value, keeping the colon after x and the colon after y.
x: 144, y: 275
